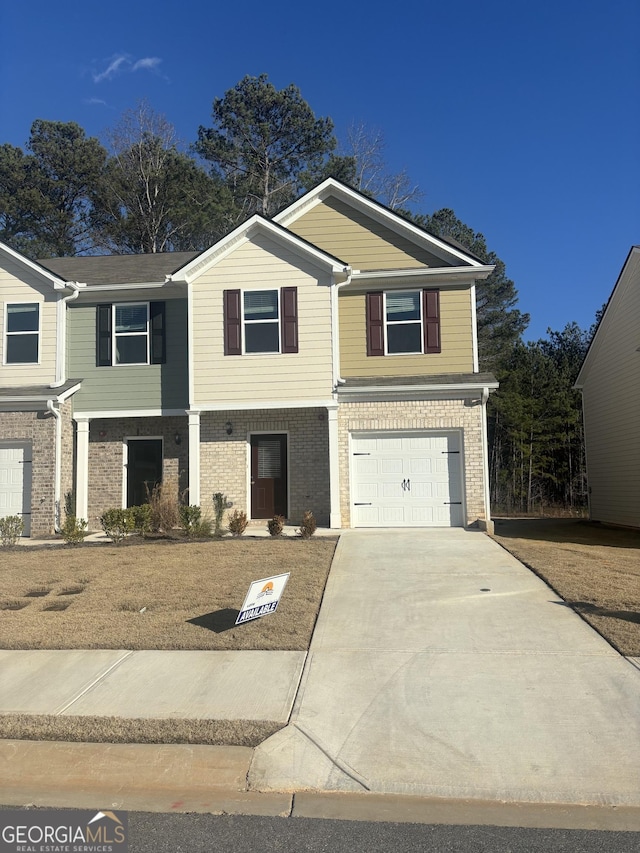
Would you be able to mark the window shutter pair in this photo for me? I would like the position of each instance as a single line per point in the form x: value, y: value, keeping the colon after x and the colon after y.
x: 157, y: 333
x: 233, y: 321
x: 430, y: 322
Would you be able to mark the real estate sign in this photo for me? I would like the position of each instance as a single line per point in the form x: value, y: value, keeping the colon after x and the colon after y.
x: 263, y: 597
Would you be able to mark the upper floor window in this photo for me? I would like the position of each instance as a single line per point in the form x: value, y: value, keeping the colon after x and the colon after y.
x: 131, y: 333
x: 261, y: 321
x: 23, y: 332
x: 403, y: 322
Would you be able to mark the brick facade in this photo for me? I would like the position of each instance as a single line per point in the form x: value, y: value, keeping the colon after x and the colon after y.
x: 225, y: 459
x: 106, y: 458
x: 460, y: 414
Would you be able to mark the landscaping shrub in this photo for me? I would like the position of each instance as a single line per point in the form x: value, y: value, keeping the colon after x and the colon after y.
x: 219, y: 506
x: 275, y: 525
x: 190, y: 518
x: 308, y: 526
x: 164, y: 508
x: 117, y: 523
x: 238, y: 522
x: 11, y: 529
x: 140, y: 519
x: 74, y: 530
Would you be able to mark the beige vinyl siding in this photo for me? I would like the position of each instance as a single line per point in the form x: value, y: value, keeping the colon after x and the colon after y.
x: 130, y: 386
x: 262, y: 264
x: 611, y: 394
x: 18, y: 284
x: 455, y: 333
x: 359, y: 240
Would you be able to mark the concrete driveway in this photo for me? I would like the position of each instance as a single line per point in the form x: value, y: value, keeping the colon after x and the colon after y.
x: 441, y: 666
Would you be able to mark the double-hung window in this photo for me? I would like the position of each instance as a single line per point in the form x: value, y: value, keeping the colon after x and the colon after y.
x: 22, y: 333
x: 403, y: 322
x: 130, y: 333
x: 261, y: 321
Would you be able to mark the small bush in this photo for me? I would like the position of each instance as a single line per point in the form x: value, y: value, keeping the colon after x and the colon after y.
x: 203, y: 529
x: 238, y: 522
x: 11, y: 529
x: 308, y: 525
x: 74, y: 530
x: 275, y: 525
x: 140, y: 519
x: 117, y: 523
x: 164, y: 509
x: 219, y: 506
x: 190, y: 518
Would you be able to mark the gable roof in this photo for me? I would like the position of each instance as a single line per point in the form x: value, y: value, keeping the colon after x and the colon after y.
x: 331, y: 187
x: 244, y: 232
x: 119, y: 269
x: 57, y: 282
x: 625, y: 279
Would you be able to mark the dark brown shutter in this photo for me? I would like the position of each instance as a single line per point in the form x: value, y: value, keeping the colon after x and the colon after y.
x: 157, y: 321
x: 289, y: 319
x: 375, y: 323
x: 103, y: 335
x: 431, y: 318
x: 232, y: 321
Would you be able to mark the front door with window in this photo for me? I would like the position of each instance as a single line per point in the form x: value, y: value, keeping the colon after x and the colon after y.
x: 268, y: 475
x: 144, y: 469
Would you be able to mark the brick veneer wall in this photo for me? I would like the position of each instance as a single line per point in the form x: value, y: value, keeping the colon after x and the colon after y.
x: 39, y: 430
x: 224, y: 459
x: 106, y: 456
x: 418, y: 415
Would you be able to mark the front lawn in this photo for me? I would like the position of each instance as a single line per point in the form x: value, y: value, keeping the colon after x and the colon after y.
x: 159, y: 595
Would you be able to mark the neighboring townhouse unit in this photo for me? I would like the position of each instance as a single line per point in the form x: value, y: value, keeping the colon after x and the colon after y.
x: 610, y: 383
x: 325, y: 360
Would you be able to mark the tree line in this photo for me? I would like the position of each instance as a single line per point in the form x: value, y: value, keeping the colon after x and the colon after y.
x: 140, y: 190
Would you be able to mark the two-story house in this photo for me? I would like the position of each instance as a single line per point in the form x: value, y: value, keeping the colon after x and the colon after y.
x: 325, y: 360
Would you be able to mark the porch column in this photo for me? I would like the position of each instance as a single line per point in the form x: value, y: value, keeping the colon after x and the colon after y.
x: 194, y: 458
x: 335, y: 520
x: 82, y: 469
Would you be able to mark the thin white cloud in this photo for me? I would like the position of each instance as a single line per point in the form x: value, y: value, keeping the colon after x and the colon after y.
x: 95, y: 102
x: 123, y: 63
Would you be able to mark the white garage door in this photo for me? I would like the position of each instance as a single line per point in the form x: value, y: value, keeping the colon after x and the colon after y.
x: 406, y: 479
x: 15, y: 482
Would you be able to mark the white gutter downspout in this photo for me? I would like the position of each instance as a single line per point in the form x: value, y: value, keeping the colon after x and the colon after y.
x: 57, y: 477
x: 61, y: 333
x: 485, y: 462
x: 335, y: 329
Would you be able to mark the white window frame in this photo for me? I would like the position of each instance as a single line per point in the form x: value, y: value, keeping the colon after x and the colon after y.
x: 419, y: 322
x: 115, y: 335
x: 8, y: 334
x: 277, y: 321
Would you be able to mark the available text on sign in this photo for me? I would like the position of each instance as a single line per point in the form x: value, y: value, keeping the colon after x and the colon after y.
x: 262, y: 598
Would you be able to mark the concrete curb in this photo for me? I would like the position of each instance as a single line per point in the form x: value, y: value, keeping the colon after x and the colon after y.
x: 213, y: 780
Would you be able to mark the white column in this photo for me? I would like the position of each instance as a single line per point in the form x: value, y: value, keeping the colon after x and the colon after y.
x: 335, y: 520
x: 82, y: 469
x: 485, y: 462
x: 194, y: 458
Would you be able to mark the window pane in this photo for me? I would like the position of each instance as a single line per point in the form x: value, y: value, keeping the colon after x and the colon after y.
x: 22, y: 318
x: 131, y: 318
x: 261, y: 305
x: 403, y: 306
x: 269, y: 459
x: 131, y: 350
x: 404, y: 338
x: 261, y: 337
x: 22, y: 349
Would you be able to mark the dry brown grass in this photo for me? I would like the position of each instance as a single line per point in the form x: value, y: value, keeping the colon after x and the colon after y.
x: 159, y: 595
x: 116, y: 730
x: 596, y: 569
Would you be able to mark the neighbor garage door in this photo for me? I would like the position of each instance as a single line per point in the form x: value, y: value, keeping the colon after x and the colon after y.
x: 406, y: 479
x: 15, y: 482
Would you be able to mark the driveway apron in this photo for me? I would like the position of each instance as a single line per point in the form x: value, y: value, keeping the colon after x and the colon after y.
x: 441, y: 666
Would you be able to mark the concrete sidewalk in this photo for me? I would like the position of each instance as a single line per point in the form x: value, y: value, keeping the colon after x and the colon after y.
x: 441, y: 667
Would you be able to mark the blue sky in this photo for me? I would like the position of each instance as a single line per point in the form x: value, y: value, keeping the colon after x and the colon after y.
x: 522, y: 117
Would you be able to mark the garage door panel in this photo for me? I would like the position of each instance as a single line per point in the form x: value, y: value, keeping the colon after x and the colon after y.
x: 409, y: 480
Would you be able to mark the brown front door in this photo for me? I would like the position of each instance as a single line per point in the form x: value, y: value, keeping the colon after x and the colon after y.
x: 268, y: 475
